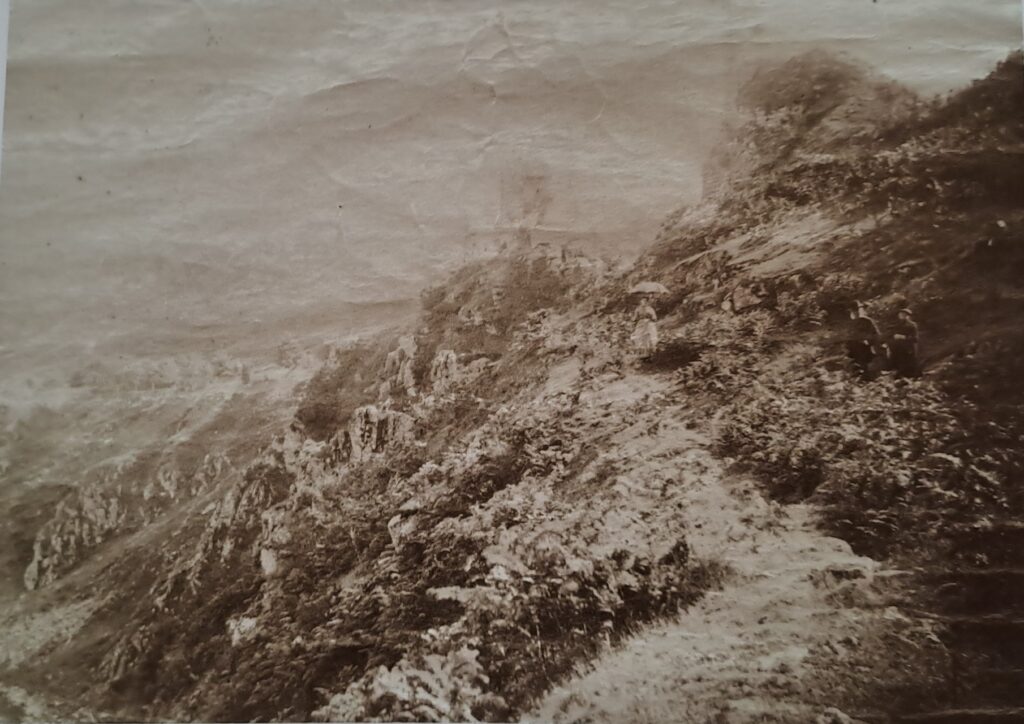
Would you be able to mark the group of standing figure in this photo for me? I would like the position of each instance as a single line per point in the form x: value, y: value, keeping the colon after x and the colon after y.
x: 872, y: 354
x: 869, y: 350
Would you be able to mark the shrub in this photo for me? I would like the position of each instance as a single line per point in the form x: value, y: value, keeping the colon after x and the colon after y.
x: 886, y: 458
x: 337, y: 389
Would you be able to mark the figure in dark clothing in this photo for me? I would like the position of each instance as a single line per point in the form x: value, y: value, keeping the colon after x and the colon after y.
x: 880, y: 363
x: 904, y: 346
x: 862, y: 344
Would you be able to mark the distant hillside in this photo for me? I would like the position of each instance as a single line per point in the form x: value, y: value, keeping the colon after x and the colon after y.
x: 464, y: 510
x: 814, y: 103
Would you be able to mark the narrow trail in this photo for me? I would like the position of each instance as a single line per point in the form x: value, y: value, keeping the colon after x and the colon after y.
x: 803, y: 629
x: 741, y: 654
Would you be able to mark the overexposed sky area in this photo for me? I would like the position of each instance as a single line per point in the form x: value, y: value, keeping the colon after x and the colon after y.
x: 215, y: 159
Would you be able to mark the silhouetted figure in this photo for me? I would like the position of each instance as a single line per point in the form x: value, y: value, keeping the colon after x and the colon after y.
x: 880, y: 363
x: 904, y: 346
x: 862, y: 344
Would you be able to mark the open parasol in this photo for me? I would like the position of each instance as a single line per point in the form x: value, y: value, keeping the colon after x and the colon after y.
x: 649, y: 288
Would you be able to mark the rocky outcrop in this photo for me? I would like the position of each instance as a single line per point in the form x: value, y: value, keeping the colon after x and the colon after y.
x: 444, y: 370
x: 114, y: 504
x: 234, y: 525
x: 371, y: 431
x: 76, y: 527
x: 398, y: 369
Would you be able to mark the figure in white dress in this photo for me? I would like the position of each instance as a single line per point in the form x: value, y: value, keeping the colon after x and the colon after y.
x: 645, y: 335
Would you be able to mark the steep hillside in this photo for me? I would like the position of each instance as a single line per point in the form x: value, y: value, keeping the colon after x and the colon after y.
x: 464, y: 511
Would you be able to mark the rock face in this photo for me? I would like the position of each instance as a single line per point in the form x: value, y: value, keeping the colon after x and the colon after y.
x: 273, y: 537
x: 116, y: 503
x: 371, y: 431
x: 444, y: 370
x: 239, y: 521
x: 75, y: 527
x: 398, y: 369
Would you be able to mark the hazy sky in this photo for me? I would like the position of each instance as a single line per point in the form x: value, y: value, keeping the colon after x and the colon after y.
x: 226, y: 159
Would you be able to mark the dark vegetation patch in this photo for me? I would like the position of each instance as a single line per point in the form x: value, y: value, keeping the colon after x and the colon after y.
x: 337, y: 389
x: 505, y: 294
x: 674, y: 354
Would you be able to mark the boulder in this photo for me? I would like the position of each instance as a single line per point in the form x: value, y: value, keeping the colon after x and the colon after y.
x: 395, y: 428
x: 269, y: 562
x: 745, y: 298
x: 400, y: 527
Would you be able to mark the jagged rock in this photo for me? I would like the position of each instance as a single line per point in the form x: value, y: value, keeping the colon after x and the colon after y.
x: 302, y: 456
x: 362, y: 429
x: 77, y: 525
x: 398, y: 369
x: 444, y: 370
x: 235, y: 524
x: 32, y: 574
x: 398, y: 429
x: 405, y: 522
x: 371, y: 431
x: 406, y: 378
x: 115, y: 504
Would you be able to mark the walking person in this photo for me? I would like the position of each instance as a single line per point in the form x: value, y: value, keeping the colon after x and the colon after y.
x: 645, y: 335
x: 905, y: 345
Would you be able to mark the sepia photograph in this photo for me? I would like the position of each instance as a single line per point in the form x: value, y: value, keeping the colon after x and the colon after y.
x: 542, y: 361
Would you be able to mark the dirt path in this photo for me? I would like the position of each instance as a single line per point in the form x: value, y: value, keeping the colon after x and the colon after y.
x: 742, y: 654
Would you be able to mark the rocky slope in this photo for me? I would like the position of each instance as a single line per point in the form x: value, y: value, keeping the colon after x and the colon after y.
x: 462, y: 512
